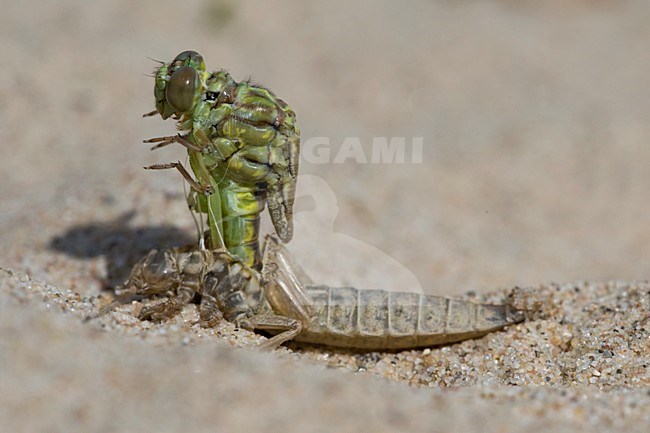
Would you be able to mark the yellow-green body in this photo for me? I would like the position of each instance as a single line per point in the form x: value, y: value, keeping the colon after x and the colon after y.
x: 245, y: 149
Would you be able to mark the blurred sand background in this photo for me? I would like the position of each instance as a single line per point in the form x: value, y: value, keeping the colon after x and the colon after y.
x: 535, y: 124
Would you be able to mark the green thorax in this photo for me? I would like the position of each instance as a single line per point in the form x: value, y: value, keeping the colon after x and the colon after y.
x: 244, y: 151
x: 244, y: 131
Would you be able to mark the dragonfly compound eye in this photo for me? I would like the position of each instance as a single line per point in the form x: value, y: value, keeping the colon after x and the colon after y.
x: 187, y: 57
x: 181, y: 88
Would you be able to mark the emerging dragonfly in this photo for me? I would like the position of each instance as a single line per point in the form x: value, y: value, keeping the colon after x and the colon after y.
x: 243, y: 146
x: 281, y: 300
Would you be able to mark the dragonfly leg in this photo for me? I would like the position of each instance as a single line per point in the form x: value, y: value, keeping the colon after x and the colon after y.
x: 168, y: 309
x: 203, y: 189
x: 209, y: 311
x: 151, y: 113
x: 162, y: 141
x: 183, y: 141
x: 169, y: 139
x: 286, y: 328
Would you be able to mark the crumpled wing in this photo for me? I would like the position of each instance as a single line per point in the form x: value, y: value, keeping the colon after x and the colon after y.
x: 281, y: 195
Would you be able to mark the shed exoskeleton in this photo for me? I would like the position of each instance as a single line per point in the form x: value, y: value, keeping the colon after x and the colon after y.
x: 282, y: 301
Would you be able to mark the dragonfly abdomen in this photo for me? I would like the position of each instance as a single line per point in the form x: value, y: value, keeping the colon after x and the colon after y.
x: 241, y: 208
x: 377, y: 319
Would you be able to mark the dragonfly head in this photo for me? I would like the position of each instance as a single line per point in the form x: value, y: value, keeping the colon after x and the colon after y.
x: 154, y: 274
x: 179, y: 84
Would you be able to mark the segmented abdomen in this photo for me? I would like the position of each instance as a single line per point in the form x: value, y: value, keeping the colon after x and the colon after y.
x: 376, y: 319
x: 241, y: 207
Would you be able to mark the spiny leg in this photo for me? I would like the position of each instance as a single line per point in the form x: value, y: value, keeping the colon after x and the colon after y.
x: 226, y: 287
x: 151, y: 113
x: 209, y: 312
x: 162, y: 141
x: 168, y: 309
x: 287, y: 326
x: 180, y: 139
x: 203, y: 189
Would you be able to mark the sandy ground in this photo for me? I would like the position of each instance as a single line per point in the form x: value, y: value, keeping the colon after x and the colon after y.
x: 534, y: 169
